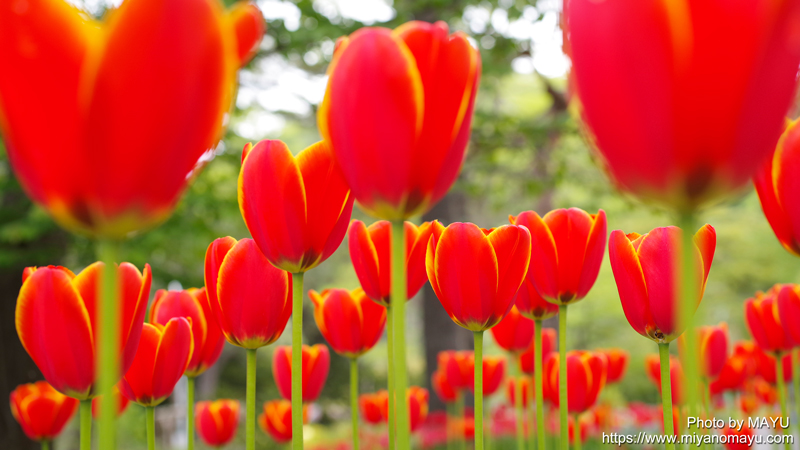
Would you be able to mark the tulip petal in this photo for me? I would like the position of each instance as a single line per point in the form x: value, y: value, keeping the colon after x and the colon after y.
x: 777, y: 216
x: 630, y: 281
x: 511, y: 245
x: 248, y: 26
x: 706, y: 241
x: 658, y: 254
x: 544, y: 273
x: 135, y: 292
x: 416, y: 250
x: 174, y: 351
x: 282, y: 370
x: 215, y: 255
x: 367, y: 246
x: 170, y: 304
x: 137, y: 384
x: 570, y: 229
x: 593, y: 255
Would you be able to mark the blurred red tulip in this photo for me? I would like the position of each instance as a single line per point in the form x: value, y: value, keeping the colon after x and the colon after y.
x: 208, y: 339
x: 767, y: 367
x: 161, y: 359
x: 531, y: 304
x: 586, y: 377
x: 40, y: 410
x: 417, y: 398
x: 548, y: 346
x: 748, y: 351
x: 494, y: 371
x: 567, y: 246
x: 713, y: 342
x: 765, y: 391
x: 732, y: 374
x: 107, y: 121
x: 738, y: 438
x: 369, y: 252
x: 617, y: 359
x: 583, y: 425
x: 350, y: 322
x: 217, y: 421
x: 789, y: 309
x: 764, y: 323
x: 457, y: 367
x: 695, y: 121
x: 296, y: 208
x: 316, y: 363
x: 120, y: 400
x: 748, y: 402
x: 251, y: 299
x: 371, y: 406
x: 653, y: 368
x: 446, y: 392
x: 511, y: 390
x: 276, y: 420
x: 54, y: 303
x: 514, y: 333
x: 475, y: 273
x: 645, y: 270
x: 397, y: 112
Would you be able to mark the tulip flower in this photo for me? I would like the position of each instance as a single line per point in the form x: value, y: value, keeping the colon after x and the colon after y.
x: 417, y: 401
x: 494, y: 372
x: 713, y: 349
x: 276, y: 420
x: 371, y: 406
x: 586, y: 371
x: 676, y: 377
x: 120, y: 401
x: 514, y: 333
x: 732, y: 374
x: 617, y: 359
x: 41, y: 411
x: 457, y: 366
x: 764, y: 323
x: 217, y: 421
x: 518, y: 387
x: 441, y: 386
x: 532, y: 305
x: 316, y: 363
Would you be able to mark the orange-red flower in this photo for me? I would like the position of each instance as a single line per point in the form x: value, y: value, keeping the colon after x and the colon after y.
x: 767, y: 367
x: 54, y: 303
x: 774, y: 185
x: 789, y: 309
x: 371, y: 406
x: 417, y: 399
x: 645, y: 270
x: 207, y: 337
x: 217, y: 421
x: 316, y: 363
x: 296, y: 208
x: 40, y: 410
x: 738, y: 438
x: 475, y: 273
x: 120, y: 400
x: 531, y: 304
x: 350, y: 322
x: 527, y: 358
x: 494, y: 371
x: 446, y: 392
x: 567, y: 246
x: 694, y: 122
x: 514, y: 333
x: 617, y: 359
x: 398, y: 111
x: 370, y: 253
x: 713, y: 342
x: 732, y: 374
x: 106, y: 121
x: 586, y: 377
x: 653, y: 368
x: 457, y: 367
x: 161, y: 360
x: 251, y: 299
x: 511, y: 390
x: 765, y: 391
x: 277, y: 419
x: 764, y: 323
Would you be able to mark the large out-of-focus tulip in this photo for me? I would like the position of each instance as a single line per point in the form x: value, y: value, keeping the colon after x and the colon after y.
x: 217, y: 421
x: 251, y: 299
x: 528, y: 357
x: 645, y: 269
x: 56, y: 320
x: 277, y: 420
x: 514, y: 333
x: 676, y: 378
x: 120, y: 400
x: 40, y: 410
x: 494, y: 371
x: 696, y: 121
x: 316, y: 363
x: 296, y: 208
x: 440, y: 382
x: 370, y: 253
x: 532, y: 305
x: 398, y: 111
x: 511, y: 390
x: 567, y: 246
x: 371, y: 406
x: 161, y: 360
x: 475, y: 273
x: 457, y: 367
x: 417, y: 398
x: 617, y: 359
x: 586, y: 377
x: 350, y: 322
x: 764, y: 323
x: 106, y: 122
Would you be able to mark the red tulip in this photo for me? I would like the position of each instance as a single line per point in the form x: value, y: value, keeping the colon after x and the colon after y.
x: 763, y: 321
x: 251, y: 299
x: 277, y: 420
x: 417, y: 399
x: 371, y: 406
x: 748, y: 351
x: 531, y: 305
x: 645, y: 270
x: 767, y: 367
x: 120, y: 400
x: 511, y: 390
x: 457, y: 367
x: 494, y: 371
x: 789, y: 309
x: 567, y: 246
x: 369, y: 251
x: 397, y: 112
x: 207, y: 337
x: 350, y: 322
x: 316, y: 363
x: 775, y: 185
x: 54, y: 303
x: 514, y: 333
x: 583, y: 426
x: 95, y: 112
x: 738, y: 438
x: 713, y: 349
x: 296, y: 208
x: 748, y: 402
x: 162, y: 358
x: 217, y: 421
x: 653, y: 366
x: 765, y: 391
x: 475, y: 273
x: 446, y: 392
x: 527, y: 358
x: 586, y: 377
x: 617, y: 359
x: 40, y: 410
x: 732, y: 375
x: 695, y: 121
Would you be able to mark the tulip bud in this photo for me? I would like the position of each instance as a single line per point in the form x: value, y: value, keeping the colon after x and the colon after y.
x: 41, y: 411
x: 217, y: 421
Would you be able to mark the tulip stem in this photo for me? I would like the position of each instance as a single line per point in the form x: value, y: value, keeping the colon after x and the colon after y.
x: 460, y: 420
x: 190, y: 413
x: 796, y: 384
x: 576, y: 432
x: 354, y: 399
x: 478, y: 335
x: 151, y: 427
x: 398, y: 299
x: 518, y: 404
x: 782, y: 392
x: 45, y: 444
x: 666, y: 392
x: 538, y: 382
x: 562, y: 376
x: 108, y: 343
x: 86, y: 425
x: 688, y: 304
x: 297, y: 363
x: 390, y: 378
x: 250, y: 400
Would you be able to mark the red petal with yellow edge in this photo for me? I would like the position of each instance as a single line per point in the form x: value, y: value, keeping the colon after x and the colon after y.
x: 373, y: 319
x: 593, y: 254
x: 319, y: 361
x: 215, y: 254
x: 658, y: 253
x: 174, y: 351
x: 544, y: 274
x: 778, y: 218
x: 339, y: 319
x: 170, y: 304
x: 598, y: 365
x: 364, y: 245
x: 512, y: 247
x: 417, y: 276
x: 133, y: 313
x: 706, y: 241
x: 215, y: 340
x: 570, y: 229
x: 282, y: 370
x: 579, y: 380
x: 630, y: 281
x: 789, y: 310
x: 54, y: 327
x: 248, y: 26
x: 137, y: 384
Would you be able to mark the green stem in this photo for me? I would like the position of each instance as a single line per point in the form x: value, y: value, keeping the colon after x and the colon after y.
x: 782, y: 391
x: 398, y: 299
x: 108, y: 343
x: 478, y: 336
x: 297, y: 362
x: 576, y: 432
x: 45, y: 444
x: 688, y: 305
x: 460, y: 416
x: 151, y: 427
x: 391, y: 424
x: 354, y: 399
x: 538, y: 382
x: 250, y: 401
x: 796, y: 384
x: 518, y: 406
x: 190, y: 413
x: 562, y: 376
x: 86, y: 425
x: 666, y: 392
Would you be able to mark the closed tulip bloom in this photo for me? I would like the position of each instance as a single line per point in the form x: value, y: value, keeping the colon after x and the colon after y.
x: 514, y: 333
x: 217, y: 421
x: 586, y: 377
x: 494, y: 371
x: 40, y: 410
x: 251, y: 299
x: 528, y: 357
x: 789, y: 309
x: 350, y: 322
x: 296, y: 208
x: 316, y: 363
x: 653, y: 369
x: 732, y: 374
x: 371, y: 406
x: 54, y: 303
x: 475, y: 273
x: 645, y: 270
x: 511, y: 390
x: 417, y: 398
x: 140, y: 96
x: 370, y: 254
x: 764, y: 323
x: 457, y: 367
x: 120, y: 400
x: 713, y: 349
x: 446, y: 392
x: 568, y: 247
x: 532, y: 305
x: 398, y: 111
x: 694, y: 122
x: 276, y: 420
x: 617, y: 359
